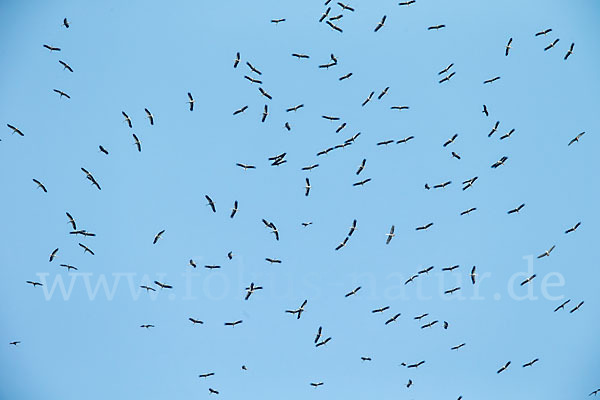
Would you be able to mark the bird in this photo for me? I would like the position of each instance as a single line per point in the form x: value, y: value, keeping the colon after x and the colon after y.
x: 316, y: 384
x: 547, y: 252
x: 34, y: 284
x: 252, y: 80
x: 15, y: 343
x: 380, y: 23
x: 300, y: 55
x: 251, y: 289
x: 562, y: 306
x: 423, y: 227
x: 86, y: 249
x: 212, y: 391
x: 348, y: 75
x: 61, y: 93
x: 158, y: 236
x: 277, y: 21
x: 429, y: 324
x: 211, y: 203
x: 409, y: 384
x: 436, y: 27
x: 66, y: 23
x: 298, y: 310
x: 65, y: 65
x: 494, y: 129
x: 551, y: 45
x: 473, y: 274
x: 368, y: 99
x: 191, y: 101
x: 273, y: 260
x: 508, y: 47
x: 574, y: 228
x: 212, y: 266
x: 570, y: 51
x: 103, y: 150
x: 405, y: 140
x: 380, y: 310
x: 503, y: 368
x: 240, y: 110
x: 352, y: 228
x: 267, y: 95
x: 137, y: 143
x: 361, y: 167
x: 325, y: 14
x: 234, y: 210
x: 295, y: 108
x: 148, y: 288
x: 53, y: 254
x: 15, y: 130
x: 526, y: 281
x: 575, y: 139
x: 196, y: 321
x: 469, y: 182
x: 307, y: 187
x: 127, y: 119
x: 446, y: 69
x: 399, y: 108
x: 245, y: 166
x: 416, y: 365
x: 352, y: 292
x: 361, y: 183
x: 499, y: 162
x: 345, y: 7
x: 149, y: 116
x: 442, y: 185
x: 234, y: 323
x: 206, y: 375
x: 494, y: 79
x: 318, y: 336
x: 40, y: 185
x: 383, y: 93
x: 237, y: 59
x: 385, y: 142
x: 447, y: 77
x: 458, y: 347
x: 147, y: 326
x: 516, y: 210
x: 69, y: 267
x: 577, y: 307
x: 530, y: 363
x: 468, y: 211
x: 393, y: 319
x: 507, y: 134
x: 451, y: 291
x: 163, y: 285
x: 323, y: 342
x: 365, y: 358
x: 543, y: 32
x: 193, y: 263
x: 334, y: 27
x: 451, y: 140
x: 390, y: 235
x: 450, y: 269
x: 51, y: 48
x: 265, y: 113
x: 407, y: 3
x: 485, y: 111
x: 310, y: 167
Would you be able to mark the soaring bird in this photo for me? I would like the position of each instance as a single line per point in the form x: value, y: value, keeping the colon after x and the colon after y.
x: 163, y: 285
x: 103, y: 150
x: 469, y: 182
x: 416, y: 365
x: 494, y: 79
x: 507, y: 134
x: 15, y: 343
x: 348, y: 75
x: 193, y: 263
x: 562, y: 306
x: 380, y: 310
x: 240, y: 110
x: 191, y: 101
x: 265, y: 113
x: 526, y: 281
x: 551, y: 45
x: 458, y: 347
x: 450, y: 269
x: 423, y: 227
x: 575, y: 139
x: 577, y: 307
x: 34, y: 284
x: 316, y: 384
x: 499, y: 162
x: 383, y: 93
x: 503, y: 368
x: 473, y: 274
x: 40, y: 185
x: 451, y: 291
x: 405, y: 140
x: 149, y: 116
x: 380, y: 23
x: 442, y: 185
x: 212, y: 391
x: 485, y: 111
x: 574, y: 228
x: 252, y: 80
x: 158, y: 236
x: 570, y: 51
x: 210, y: 203
x: 251, y: 289
x: 451, y: 140
x: 390, y: 235
x: 234, y: 210
x: 361, y: 183
x: 295, y: 108
x: 352, y: 292
x: 494, y: 129
x: 325, y: 14
x: 436, y: 27
x: 468, y: 211
x: 148, y: 288
x: 530, y: 363
x: 15, y: 130
x: 307, y: 187
x: 399, y: 108
x: 264, y: 93
x: 68, y: 267
x: 543, y: 32
x: 65, y: 65
x: 393, y: 319
x: 446, y: 69
x: 51, y: 48
x: 53, y: 254
x: 196, y: 321
x: 86, y: 249
x: 245, y: 166
x: 237, y: 59
x: 516, y: 210
x: 407, y: 3
x: 277, y: 21
x: 361, y: 166
x: 345, y: 7
x: 61, y: 93
x: 137, y: 143
x: 508, y: 47
x: 127, y: 119
x: 147, y: 326
x: 368, y: 99
x: 66, y: 23
x: 547, y: 252
x: 206, y: 375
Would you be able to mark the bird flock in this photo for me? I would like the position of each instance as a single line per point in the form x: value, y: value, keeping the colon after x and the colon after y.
x: 333, y: 17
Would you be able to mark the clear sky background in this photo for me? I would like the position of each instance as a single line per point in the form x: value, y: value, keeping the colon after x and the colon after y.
x: 130, y: 55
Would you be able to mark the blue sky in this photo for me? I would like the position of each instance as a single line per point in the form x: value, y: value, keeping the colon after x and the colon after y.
x: 128, y: 56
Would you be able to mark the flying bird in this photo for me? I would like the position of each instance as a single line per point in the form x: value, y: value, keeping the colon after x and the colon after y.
x: 65, y: 66
x: 61, y: 93
x: 485, y: 111
x: 127, y: 119
x: 574, y: 228
x: 499, y: 162
x: 575, y: 139
x: 380, y: 23
x: 163, y: 285
x: 516, y: 210
x: 528, y: 280
x: 390, y: 235
x: 577, y: 307
x: 158, y: 236
x: 508, y: 47
x: 473, y: 274
x: 543, y: 32
x: 234, y: 210
x: 51, y: 48
x: 149, y: 116
x: 15, y: 130
x: 237, y: 60
x: 570, y: 51
x: 191, y: 101
x: 137, y: 143
x: 40, y: 185
x: 210, y: 203
x: 197, y: 321
x: 34, y: 284
x: 53, y: 254
x: 551, y: 45
x: 530, y: 363
x: 423, y: 227
x: 491, y: 80
x: 86, y: 249
x: 436, y: 27
x: 503, y: 368
x: 562, y: 306
x: 307, y: 187
x: 547, y: 252
x: 352, y: 292
x: 451, y: 140
x: 298, y: 310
